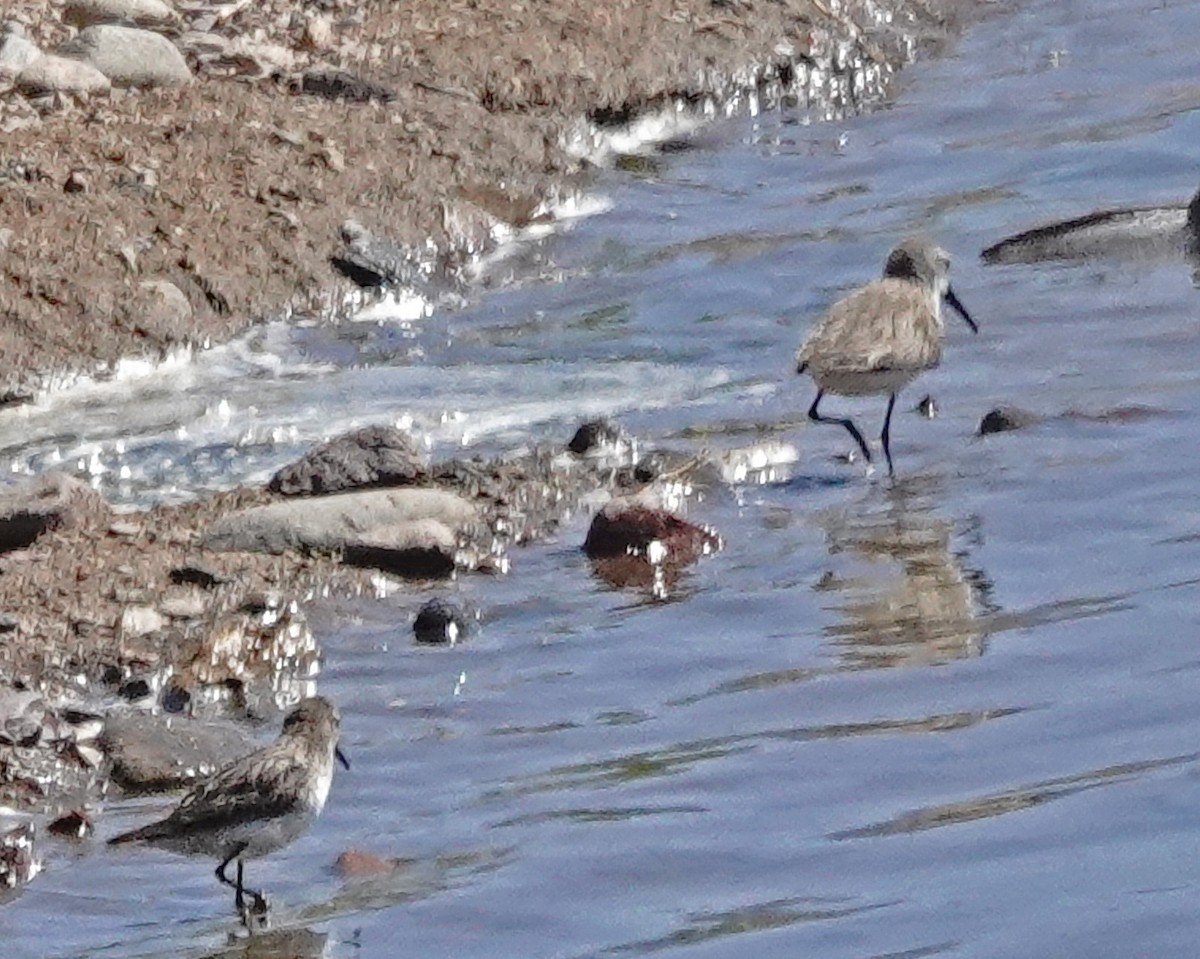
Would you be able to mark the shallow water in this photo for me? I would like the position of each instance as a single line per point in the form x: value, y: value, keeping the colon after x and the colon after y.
x: 953, y: 716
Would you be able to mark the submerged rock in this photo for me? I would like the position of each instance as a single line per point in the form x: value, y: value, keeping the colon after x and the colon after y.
x: 601, y: 438
x: 439, y: 622
x: 1134, y: 232
x: 1004, y: 419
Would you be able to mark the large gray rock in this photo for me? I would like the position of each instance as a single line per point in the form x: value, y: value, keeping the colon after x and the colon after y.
x: 53, y: 74
x: 406, y: 531
x: 130, y: 57
x: 16, y: 53
x: 154, y: 753
x: 142, y: 13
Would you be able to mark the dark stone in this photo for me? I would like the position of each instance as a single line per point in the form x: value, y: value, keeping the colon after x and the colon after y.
x: 8, y: 623
x: 597, y: 436
x: 73, y: 825
x: 1004, y: 419
x: 370, y: 457
x: 175, y: 699
x: 371, y: 261
x: 343, y: 85
x: 439, y: 623
x: 623, y: 527
x: 195, y: 576
x: 406, y: 559
x: 134, y: 689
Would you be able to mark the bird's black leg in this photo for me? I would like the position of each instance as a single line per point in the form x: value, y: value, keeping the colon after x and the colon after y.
x: 850, y: 427
x: 886, y: 435
x: 238, y: 899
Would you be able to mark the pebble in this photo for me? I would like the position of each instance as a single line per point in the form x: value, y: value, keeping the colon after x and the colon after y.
x: 439, y: 622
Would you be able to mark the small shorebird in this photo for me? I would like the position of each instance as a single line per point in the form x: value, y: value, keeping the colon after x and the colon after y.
x: 883, y: 335
x: 258, y: 803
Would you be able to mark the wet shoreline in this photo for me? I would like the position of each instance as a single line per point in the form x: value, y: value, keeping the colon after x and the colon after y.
x: 243, y: 218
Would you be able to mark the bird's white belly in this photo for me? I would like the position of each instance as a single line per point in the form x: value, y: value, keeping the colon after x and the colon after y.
x: 863, y: 382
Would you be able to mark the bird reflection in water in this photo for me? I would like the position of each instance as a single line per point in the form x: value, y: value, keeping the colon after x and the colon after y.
x: 904, y: 594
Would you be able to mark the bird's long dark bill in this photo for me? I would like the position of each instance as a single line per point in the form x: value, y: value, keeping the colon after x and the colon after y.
x: 955, y: 302
x: 341, y: 757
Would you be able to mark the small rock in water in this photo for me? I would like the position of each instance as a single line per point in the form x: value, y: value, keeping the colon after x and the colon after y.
x: 927, y: 407
x: 439, y: 623
x: 599, y: 438
x: 18, y: 862
x: 359, y: 864
x: 1004, y: 419
x: 73, y: 825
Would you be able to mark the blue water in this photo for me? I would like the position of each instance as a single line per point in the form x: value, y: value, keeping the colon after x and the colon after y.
x: 950, y: 716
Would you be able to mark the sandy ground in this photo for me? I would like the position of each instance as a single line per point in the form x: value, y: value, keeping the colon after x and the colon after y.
x: 234, y: 188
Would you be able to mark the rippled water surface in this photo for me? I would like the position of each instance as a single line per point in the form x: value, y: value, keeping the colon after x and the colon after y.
x: 951, y: 716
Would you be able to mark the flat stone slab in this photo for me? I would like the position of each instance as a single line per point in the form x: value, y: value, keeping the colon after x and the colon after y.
x: 156, y: 754
x: 374, y: 528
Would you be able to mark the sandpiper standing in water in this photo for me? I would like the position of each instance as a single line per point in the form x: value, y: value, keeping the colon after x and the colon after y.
x: 258, y: 803
x: 883, y: 335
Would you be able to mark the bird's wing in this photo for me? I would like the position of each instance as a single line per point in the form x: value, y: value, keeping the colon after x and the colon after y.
x: 260, y: 786
x: 881, y: 326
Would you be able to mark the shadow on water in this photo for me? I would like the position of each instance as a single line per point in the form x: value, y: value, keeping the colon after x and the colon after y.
x: 287, y: 933
x: 755, y: 917
x: 1012, y: 800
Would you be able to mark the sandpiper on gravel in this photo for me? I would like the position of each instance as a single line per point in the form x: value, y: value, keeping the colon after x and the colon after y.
x: 259, y: 803
x: 883, y: 335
